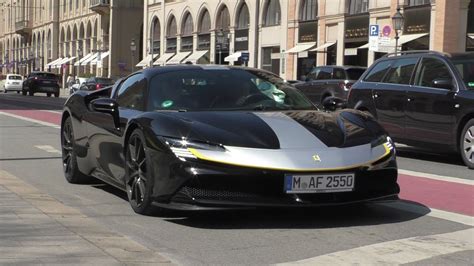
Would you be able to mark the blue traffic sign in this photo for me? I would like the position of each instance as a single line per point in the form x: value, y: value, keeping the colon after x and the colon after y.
x: 374, y: 30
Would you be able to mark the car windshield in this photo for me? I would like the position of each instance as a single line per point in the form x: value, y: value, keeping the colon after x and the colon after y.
x: 223, y: 89
x: 45, y: 75
x: 466, y: 69
x: 354, y: 73
x: 104, y: 81
x: 14, y: 77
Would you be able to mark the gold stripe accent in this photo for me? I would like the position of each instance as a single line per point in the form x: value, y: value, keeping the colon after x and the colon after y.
x: 205, y: 158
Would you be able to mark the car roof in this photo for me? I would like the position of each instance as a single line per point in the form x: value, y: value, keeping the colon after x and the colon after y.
x: 344, y: 67
x: 418, y: 53
x: 150, y: 72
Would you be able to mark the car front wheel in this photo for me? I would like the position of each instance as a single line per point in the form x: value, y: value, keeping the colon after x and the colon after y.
x: 69, y: 157
x: 138, y: 178
x: 467, y: 144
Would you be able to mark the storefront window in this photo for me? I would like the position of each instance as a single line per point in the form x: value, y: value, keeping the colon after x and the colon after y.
x: 222, y: 35
x: 417, y: 2
x: 470, y: 28
x: 271, y: 59
x: 272, y: 13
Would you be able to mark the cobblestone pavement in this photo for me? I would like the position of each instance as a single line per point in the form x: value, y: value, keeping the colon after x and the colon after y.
x: 38, y: 229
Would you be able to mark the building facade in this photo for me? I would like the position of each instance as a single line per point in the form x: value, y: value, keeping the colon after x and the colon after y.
x: 287, y: 37
x: 69, y: 37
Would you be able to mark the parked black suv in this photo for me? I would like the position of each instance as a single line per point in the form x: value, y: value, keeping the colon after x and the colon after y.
x: 422, y: 98
x: 96, y: 83
x: 41, y: 82
x: 329, y: 81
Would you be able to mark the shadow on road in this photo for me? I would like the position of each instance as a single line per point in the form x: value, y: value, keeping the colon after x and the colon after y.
x: 285, y: 218
x: 38, y: 102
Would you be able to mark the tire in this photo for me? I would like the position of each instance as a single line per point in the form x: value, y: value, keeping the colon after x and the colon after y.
x: 48, y: 94
x: 138, y: 175
x: 56, y: 94
x: 23, y: 91
x: 69, y: 157
x: 466, y: 144
x: 31, y: 93
x: 17, y: 92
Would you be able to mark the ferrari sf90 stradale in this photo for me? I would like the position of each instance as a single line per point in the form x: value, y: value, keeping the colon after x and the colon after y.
x: 212, y: 137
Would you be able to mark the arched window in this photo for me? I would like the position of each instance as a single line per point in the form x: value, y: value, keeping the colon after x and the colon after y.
x: 187, y: 33
x: 243, y: 18
x: 272, y: 13
x: 417, y: 2
x: 309, y: 10
x: 223, y: 21
x: 358, y: 6
x: 156, y: 35
x: 205, y: 23
x: 171, y: 31
x: 187, y: 29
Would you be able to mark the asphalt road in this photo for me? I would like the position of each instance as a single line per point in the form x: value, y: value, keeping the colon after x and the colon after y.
x: 29, y: 149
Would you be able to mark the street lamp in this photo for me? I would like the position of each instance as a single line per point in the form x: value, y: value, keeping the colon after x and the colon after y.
x: 397, y: 21
x: 133, y: 48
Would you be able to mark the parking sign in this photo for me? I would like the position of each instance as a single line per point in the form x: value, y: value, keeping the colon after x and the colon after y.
x: 374, y: 31
x: 374, y: 38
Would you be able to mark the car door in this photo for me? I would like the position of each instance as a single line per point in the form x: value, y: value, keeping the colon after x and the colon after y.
x: 106, y: 141
x: 430, y: 109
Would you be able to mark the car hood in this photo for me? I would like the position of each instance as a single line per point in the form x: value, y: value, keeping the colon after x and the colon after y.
x: 269, y: 130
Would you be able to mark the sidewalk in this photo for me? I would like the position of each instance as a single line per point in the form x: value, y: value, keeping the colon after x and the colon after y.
x: 37, y: 229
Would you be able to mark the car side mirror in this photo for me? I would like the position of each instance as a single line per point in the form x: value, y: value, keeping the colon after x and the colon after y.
x: 443, y: 83
x: 333, y: 103
x: 108, y: 106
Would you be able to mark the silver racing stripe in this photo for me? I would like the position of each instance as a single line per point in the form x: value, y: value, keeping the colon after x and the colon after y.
x: 290, y: 133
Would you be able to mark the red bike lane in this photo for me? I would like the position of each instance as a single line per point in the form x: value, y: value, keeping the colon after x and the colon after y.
x: 443, y: 195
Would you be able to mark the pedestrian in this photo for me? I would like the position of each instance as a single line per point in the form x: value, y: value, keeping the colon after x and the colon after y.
x: 69, y: 81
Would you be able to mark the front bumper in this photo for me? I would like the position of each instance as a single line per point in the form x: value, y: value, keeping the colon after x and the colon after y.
x: 193, y: 185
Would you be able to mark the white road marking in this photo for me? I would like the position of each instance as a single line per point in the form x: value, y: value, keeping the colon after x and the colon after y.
x: 30, y: 120
x: 438, y: 177
x: 48, y: 148
x: 51, y: 111
x: 397, y: 252
x: 448, y: 216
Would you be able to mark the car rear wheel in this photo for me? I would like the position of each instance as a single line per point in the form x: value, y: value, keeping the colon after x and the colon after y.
x: 71, y: 171
x: 56, y: 94
x: 467, y: 144
x: 138, y: 178
x: 48, y: 94
x: 30, y: 93
x: 23, y: 91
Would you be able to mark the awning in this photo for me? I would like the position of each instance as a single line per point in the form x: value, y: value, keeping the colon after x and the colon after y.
x: 301, y: 47
x: 58, y: 64
x: 163, y: 58
x: 233, y: 57
x: 146, y: 60
x: 67, y: 60
x: 98, y: 60
x: 323, y: 47
x: 178, y: 58
x: 52, y: 63
x: 471, y: 35
x: 194, y: 57
x: 78, y: 63
x: 88, y: 60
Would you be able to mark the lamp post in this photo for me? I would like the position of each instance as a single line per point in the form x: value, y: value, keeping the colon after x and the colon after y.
x: 79, y: 55
x: 133, y: 48
x: 397, y: 21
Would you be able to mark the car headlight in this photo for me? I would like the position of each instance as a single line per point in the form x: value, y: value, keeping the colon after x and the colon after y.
x: 182, y: 147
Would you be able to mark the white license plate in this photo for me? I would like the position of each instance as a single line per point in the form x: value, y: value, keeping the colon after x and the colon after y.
x: 16, y: 83
x: 319, y: 183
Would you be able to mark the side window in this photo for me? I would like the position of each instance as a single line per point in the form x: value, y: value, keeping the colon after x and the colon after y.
x: 325, y: 73
x: 431, y: 69
x: 131, y: 93
x: 401, y: 71
x: 90, y: 80
x: 314, y: 73
x: 377, y: 73
x: 339, y: 73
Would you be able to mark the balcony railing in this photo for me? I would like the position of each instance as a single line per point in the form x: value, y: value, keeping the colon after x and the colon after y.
x: 100, y: 6
x: 23, y: 27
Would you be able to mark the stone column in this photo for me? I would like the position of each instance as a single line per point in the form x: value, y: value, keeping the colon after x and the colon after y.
x: 341, y: 28
x: 212, y: 52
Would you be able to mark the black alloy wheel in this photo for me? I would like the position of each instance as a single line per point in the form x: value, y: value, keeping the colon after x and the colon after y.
x: 69, y: 159
x: 138, y: 181
x: 467, y: 144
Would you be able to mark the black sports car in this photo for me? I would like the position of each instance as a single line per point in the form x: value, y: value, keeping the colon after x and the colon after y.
x: 211, y: 137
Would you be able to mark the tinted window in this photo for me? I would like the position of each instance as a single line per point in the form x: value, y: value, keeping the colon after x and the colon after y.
x: 314, y: 73
x: 377, y: 73
x: 354, y: 73
x: 325, y: 73
x: 431, y: 69
x: 14, y: 77
x: 339, y: 74
x: 236, y: 89
x: 131, y: 93
x: 104, y: 80
x: 44, y: 75
x: 466, y: 69
x: 401, y: 70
